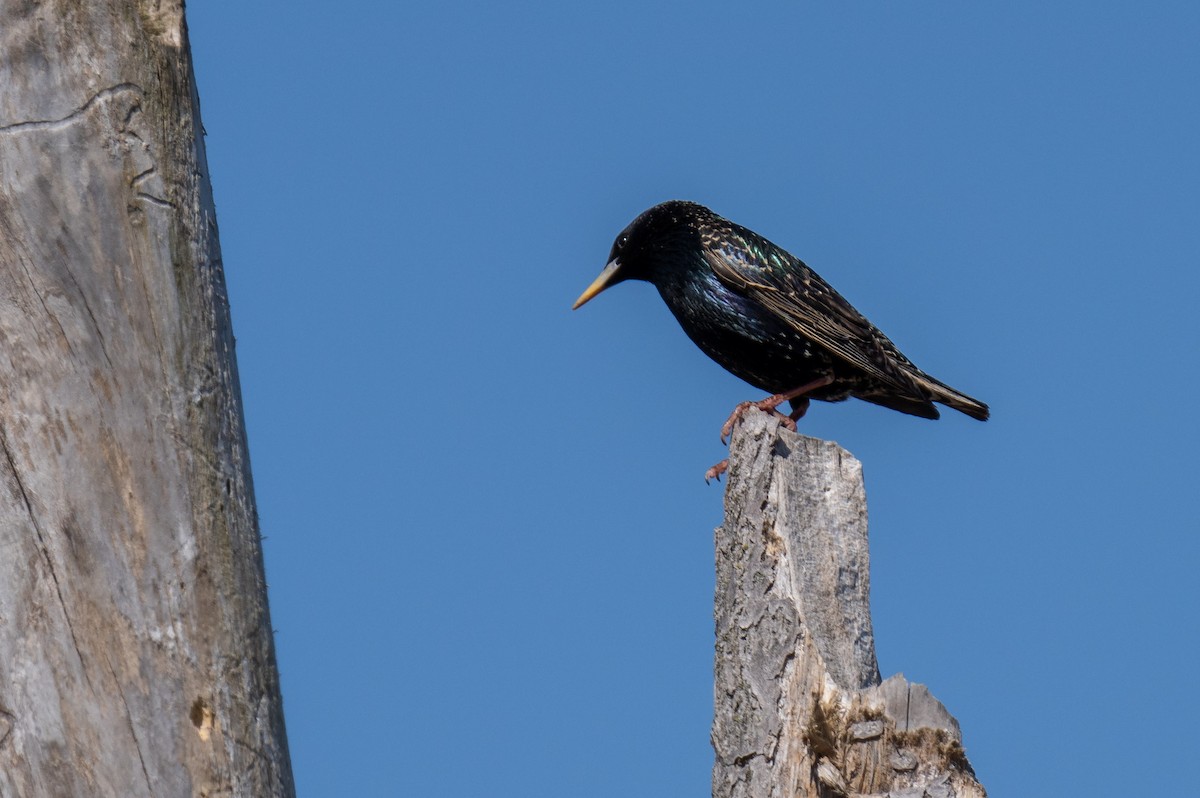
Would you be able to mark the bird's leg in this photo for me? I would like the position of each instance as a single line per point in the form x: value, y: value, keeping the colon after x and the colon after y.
x: 799, y: 408
x: 771, y: 402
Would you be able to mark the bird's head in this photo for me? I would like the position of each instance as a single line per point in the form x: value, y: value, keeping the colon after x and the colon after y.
x: 651, y: 244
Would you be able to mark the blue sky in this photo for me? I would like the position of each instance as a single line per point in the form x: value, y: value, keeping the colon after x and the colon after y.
x: 488, y: 537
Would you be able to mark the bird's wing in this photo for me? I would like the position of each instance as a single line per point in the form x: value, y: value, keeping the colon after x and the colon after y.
x: 787, y: 287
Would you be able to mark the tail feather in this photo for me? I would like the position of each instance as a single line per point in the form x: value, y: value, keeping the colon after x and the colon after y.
x: 904, y: 404
x: 944, y: 394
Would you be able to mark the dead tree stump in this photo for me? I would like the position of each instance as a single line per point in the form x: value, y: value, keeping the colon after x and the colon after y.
x: 799, y: 706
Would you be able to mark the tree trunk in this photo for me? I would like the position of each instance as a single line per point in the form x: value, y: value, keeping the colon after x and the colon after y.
x: 799, y: 706
x: 136, y: 651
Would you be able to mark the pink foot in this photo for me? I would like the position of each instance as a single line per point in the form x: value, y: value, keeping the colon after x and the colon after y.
x: 716, y: 471
x: 771, y: 402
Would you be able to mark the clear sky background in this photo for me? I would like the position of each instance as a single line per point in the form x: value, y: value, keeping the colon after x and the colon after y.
x: 489, y: 540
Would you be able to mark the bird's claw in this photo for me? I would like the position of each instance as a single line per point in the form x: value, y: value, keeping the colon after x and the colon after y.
x: 769, y: 405
x: 716, y: 471
x: 732, y: 421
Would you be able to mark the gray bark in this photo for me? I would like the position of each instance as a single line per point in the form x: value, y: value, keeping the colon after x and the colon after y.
x: 799, y: 706
x: 136, y: 650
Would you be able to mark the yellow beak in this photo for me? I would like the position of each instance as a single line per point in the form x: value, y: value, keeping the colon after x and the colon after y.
x: 600, y: 283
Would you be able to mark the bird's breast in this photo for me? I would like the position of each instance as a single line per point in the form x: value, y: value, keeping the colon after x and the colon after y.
x: 742, y: 336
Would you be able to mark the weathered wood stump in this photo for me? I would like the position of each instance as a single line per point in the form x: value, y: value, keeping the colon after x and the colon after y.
x: 799, y: 706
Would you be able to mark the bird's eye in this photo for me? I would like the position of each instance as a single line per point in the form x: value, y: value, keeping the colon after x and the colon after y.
x: 622, y: 241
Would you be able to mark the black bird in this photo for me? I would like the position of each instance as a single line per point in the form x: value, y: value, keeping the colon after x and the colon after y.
x: 767, y: 317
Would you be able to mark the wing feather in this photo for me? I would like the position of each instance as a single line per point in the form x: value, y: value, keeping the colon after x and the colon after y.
x: 785, y: 285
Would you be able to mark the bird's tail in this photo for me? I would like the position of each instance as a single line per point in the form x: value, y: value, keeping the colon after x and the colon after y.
x: 943, y: 394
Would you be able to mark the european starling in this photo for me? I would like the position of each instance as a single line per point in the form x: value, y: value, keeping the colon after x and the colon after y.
x: 767, y: 317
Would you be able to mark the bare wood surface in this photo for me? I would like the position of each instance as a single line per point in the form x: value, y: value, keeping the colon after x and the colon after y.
x: 799, y: 706
x: 136, y: 650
